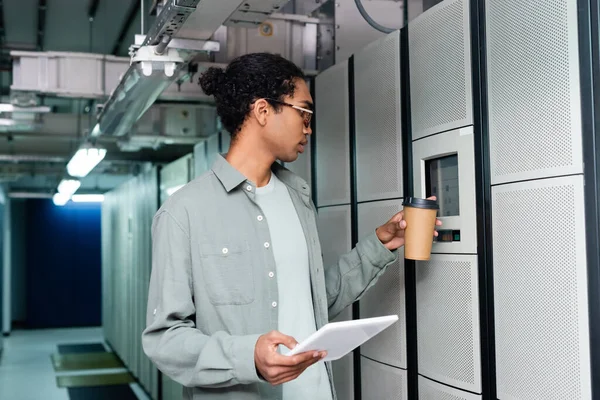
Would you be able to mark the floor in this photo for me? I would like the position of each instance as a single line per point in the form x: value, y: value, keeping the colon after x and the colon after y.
x: 26, y: 371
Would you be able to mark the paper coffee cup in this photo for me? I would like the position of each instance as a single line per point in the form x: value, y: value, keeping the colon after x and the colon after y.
x: 420, y: 216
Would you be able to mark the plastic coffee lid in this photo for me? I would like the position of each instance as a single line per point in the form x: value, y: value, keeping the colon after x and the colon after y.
x: 421, y: 203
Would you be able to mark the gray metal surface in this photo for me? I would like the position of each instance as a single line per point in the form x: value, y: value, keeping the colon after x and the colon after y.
x: 335, y: 236
x: 225, y: 141
x: 212, y: 149
x: 459, y: 142
x: 378, y: 120
x: 332, y: 136
x: 127, y: 215
x: 381, y: 381
x: 540, y: 290
x: 534, y: 91
x: 281, y: 34
x: 448, y: 334
x: 175, y: 175
x: 354, y: 33
x: 387, y: 296
x: 430, y: 390
x: 200, y: 161
x: 440, y: 69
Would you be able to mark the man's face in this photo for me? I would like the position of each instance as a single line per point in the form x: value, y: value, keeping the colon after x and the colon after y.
x: 287, y: 131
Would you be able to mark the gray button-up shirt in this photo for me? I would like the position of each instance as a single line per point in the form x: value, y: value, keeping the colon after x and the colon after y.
x: 210, y: 295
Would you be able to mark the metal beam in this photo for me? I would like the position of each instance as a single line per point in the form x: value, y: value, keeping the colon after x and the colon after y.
x: 41, y: 24
x: 133, y: 10
x: 93, y: 7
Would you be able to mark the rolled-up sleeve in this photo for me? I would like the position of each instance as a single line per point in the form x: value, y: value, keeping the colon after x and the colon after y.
x: 171, y: 340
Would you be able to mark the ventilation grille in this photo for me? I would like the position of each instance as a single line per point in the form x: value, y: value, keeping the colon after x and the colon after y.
x: 378, y: 120
x: 533, y: 71
x: 440, y: 69
x: 387, y: 296
x: 429, y: 390
x: 382, y: 382
x: 448, y: 320
x: 332, y: 136
x: 540, y: 291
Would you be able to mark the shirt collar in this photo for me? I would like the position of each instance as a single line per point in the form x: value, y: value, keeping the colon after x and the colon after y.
x: 232, y: 178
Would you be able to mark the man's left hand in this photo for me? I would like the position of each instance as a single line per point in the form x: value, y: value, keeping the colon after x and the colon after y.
x: 391, y: 234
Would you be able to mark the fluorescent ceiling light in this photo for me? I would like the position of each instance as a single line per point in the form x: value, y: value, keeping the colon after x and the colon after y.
x: 60, y: 199
x: 173, y: 189
x: 68, y: 187
x: 88, y: 198
x: 12, y: 108
x: 84, y: 161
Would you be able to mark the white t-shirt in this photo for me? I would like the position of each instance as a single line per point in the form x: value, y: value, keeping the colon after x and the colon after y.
x: 296, y: 312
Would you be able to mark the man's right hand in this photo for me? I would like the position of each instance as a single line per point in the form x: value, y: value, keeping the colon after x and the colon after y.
x: 276, y: 368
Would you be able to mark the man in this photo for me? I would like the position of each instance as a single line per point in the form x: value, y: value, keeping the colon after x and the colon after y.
x: 237, y: 269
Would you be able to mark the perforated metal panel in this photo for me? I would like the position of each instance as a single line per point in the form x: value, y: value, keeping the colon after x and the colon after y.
x: 343, y: 369
x: 335, y: 236
x: 381, y: 381
x: 378, y: 120
x: 334, y: 232
x: 387, y: 296
x: 332, y: 136
x: 533, y: 83
x: 448, y: 320
x: 429, y: 390
x: 540, y: 290
x: 440, y: 69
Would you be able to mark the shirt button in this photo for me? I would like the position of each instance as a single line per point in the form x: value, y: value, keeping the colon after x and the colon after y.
x: 274, y: 304
x: 249, y: 188
x: 260, y: 218
x: 154, y: 311
x: 267, y: 245
x: 271, y: 274
x: 225, y: 251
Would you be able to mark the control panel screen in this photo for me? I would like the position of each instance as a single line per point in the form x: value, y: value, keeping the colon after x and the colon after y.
x: 441, y: 180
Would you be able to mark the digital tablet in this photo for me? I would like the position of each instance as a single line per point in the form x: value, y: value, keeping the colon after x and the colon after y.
x: 340, y: 338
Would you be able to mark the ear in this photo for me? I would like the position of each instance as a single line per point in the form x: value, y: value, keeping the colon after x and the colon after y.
x: 261, y: 111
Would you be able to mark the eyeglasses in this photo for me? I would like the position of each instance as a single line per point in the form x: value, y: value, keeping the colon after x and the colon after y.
x: 304, y: 112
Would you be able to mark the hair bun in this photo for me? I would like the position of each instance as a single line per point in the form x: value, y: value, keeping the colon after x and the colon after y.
x: 212, y: 80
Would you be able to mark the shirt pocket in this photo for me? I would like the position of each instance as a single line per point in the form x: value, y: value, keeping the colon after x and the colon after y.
x: 227, y: 269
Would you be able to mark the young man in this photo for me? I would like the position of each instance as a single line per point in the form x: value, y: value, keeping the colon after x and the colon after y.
x: 236, y: 267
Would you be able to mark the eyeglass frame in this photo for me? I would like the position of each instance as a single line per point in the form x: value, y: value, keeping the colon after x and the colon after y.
x: 301, y: 109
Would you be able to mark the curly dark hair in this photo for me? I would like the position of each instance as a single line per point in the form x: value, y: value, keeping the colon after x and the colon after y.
x: 246, y: 79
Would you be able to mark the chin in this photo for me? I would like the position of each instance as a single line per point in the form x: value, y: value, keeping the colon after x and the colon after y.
x: 288, y: 158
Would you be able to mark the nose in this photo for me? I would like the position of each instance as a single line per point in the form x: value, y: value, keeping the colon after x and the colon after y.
x: 308, y: 129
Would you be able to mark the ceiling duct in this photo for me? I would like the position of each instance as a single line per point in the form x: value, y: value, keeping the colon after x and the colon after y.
x: 162, y: 58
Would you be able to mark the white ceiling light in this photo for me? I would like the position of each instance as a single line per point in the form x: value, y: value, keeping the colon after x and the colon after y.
x: 85, y: 160
x: 68, y: 187
x: 4, y: 107
x: 60, y: 199
x: 87, y: 198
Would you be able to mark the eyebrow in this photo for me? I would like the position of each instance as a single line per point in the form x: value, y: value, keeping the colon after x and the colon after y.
x: 308, y: 104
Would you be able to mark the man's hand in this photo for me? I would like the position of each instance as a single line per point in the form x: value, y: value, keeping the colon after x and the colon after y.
x: 276, y: 368
x: 391, y: 234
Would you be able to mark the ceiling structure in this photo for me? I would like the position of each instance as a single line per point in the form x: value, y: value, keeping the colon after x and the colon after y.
x: 34, y: 160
